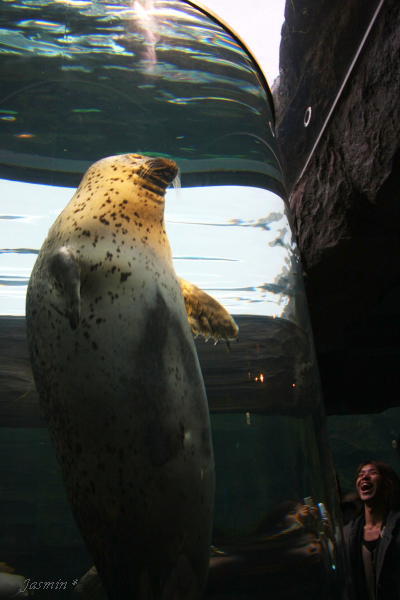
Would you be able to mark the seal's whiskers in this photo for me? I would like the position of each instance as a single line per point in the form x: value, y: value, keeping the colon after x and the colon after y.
x: 176, y: 183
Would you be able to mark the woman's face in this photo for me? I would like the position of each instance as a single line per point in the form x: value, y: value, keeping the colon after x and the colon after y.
x: 369, y: 483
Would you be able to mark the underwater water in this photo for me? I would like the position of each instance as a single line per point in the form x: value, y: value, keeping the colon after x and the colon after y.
x: 100, y: 78
x: 83, y: 80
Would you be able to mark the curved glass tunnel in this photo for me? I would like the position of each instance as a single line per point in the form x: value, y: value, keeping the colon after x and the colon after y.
x: 86, y: 79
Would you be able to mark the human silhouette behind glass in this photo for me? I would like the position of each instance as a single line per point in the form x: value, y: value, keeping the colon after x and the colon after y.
x: 283, y: 555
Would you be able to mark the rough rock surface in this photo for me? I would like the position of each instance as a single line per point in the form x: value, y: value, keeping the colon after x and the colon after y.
x: 346, y: 204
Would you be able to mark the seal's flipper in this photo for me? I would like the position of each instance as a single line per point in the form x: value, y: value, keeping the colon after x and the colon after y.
x: 207, y: 317
x: 64, y: 267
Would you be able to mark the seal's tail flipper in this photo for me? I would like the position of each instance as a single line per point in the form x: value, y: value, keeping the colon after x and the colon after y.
x: 64, y: 267
x: 207, y: 317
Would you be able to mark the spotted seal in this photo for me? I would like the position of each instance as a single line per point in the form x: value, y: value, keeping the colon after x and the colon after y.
x: 109, y: 330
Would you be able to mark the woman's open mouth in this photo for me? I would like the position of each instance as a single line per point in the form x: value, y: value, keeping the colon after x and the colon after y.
x: 366, y: 486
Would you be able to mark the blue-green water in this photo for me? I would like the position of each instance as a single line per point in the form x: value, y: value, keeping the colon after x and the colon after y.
x: 38, y: 536
x: 258, y: 486
x: 100, y: 78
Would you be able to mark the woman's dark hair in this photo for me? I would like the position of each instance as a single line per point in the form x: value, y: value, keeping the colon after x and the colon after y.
x: 390, y: 480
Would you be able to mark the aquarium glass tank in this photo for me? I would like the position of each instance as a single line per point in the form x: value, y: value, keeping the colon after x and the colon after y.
x: 85, y: 79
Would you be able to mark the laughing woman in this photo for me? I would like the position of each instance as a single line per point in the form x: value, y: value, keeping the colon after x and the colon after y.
x: 373, y: 538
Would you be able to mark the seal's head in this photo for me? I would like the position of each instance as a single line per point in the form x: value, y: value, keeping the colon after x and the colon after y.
x: 160, y: 171
x: 153, y: 173
x: 120, y: 195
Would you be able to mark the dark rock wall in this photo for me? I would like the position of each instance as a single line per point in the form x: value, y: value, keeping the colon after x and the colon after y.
x: 319, y: 42
x: 346, y: 205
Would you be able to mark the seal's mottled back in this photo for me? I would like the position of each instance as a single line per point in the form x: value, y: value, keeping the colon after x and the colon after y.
x: 120, y: 383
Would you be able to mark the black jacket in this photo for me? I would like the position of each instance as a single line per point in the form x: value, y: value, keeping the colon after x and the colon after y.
x: 387, y: 559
